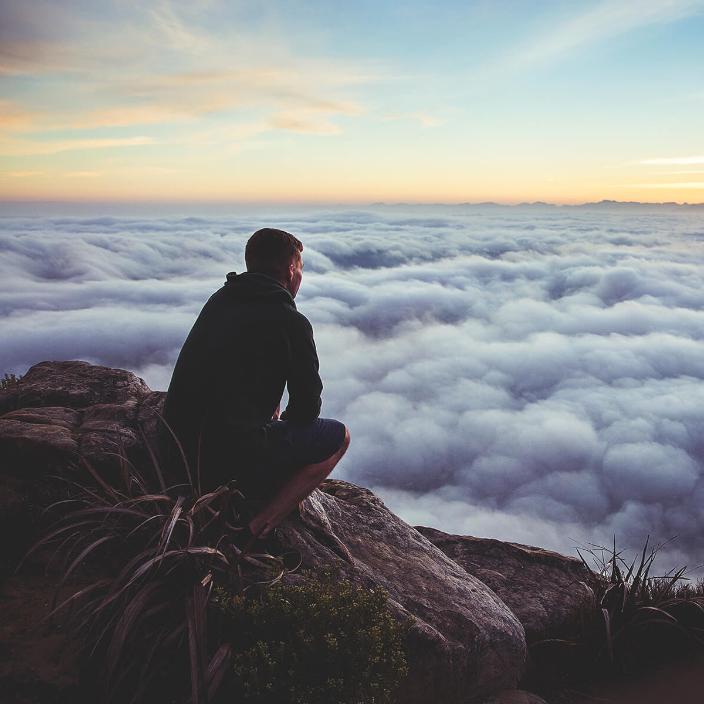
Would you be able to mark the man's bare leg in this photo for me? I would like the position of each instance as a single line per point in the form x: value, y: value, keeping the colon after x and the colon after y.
x: 301, y: 485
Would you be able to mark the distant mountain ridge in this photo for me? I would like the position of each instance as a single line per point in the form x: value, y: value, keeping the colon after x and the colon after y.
x: 601, y: 204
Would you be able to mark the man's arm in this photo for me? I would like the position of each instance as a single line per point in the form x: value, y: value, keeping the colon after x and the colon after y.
x: 303, y: 380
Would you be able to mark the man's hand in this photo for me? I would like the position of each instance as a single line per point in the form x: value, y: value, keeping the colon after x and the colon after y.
x: 276, y: 413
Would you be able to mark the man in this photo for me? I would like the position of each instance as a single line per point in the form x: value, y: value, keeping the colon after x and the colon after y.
x: 247, y: 344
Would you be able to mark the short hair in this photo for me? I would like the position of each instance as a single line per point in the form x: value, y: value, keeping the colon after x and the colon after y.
x: 269, y: 251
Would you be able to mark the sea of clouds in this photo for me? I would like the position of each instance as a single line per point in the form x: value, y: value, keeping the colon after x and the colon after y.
x: 531, y: 374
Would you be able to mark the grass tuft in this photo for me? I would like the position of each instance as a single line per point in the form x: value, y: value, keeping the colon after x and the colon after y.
x: 148, y: 556
x: 636, y: 622
x: 7, y: 381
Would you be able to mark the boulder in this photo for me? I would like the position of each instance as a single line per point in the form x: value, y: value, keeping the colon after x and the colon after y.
x: 547, y: 591
x: 73, y: 384
x: 64, y: 412
x: 463, y: 643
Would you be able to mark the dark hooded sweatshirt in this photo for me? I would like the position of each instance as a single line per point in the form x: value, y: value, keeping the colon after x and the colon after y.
x: 247, y: 344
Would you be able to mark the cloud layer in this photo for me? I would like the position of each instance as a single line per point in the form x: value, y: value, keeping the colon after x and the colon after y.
x: 530, y: 374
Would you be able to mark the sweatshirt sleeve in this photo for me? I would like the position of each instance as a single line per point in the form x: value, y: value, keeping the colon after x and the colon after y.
x: 303, y: 380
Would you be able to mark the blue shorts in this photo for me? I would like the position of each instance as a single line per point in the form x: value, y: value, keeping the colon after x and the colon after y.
x: 301, y: 444
x: 287, y: 447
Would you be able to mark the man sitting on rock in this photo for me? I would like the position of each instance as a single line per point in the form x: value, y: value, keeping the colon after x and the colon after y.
x: 247, y: 344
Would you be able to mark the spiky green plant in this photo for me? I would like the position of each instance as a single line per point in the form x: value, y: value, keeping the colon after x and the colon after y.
x: 643, y: 618
x: 149, y: 556
x: 636, y: 621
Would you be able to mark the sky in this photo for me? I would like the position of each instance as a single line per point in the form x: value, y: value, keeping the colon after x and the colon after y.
x: 330, y: 102
x: 530, y: 374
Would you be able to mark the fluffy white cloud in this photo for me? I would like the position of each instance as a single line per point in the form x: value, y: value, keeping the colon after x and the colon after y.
x: 531, y: 374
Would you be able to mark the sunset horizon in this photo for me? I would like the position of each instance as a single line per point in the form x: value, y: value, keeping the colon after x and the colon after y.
x: 213, y: 101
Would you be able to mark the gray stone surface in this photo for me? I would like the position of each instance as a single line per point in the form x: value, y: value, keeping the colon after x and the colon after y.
x: 62, y: 412
x: 464, y: 641
x: 546, y: 590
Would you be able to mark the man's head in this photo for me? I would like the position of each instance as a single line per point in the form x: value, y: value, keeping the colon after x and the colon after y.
x: 277, y: 254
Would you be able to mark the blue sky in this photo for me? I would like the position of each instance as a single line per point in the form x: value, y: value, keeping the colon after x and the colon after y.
x: 323, y: 101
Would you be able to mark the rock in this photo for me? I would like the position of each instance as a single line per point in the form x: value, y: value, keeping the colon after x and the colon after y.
x: 62, y: 412
x: 464, y: 642
x: 547, y: 591
x: 104, y: 413
x: 33, y: 443
x: 73, y: 384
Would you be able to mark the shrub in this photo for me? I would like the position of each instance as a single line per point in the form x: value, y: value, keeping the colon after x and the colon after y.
x: 323, y: 640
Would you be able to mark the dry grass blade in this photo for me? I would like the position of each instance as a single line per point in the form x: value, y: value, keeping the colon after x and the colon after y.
x: 609, y: 638
x: 83, y: 489
x: 56, y: 504
x: 672, y: 581
x: 208, y: 498
x: 196, y: 613
x: 169, y: 527
x: 137, y: 604
x: 77, y: 561
x: 643, y: 567
x: 147, y: 498
x: 110, y: 491
x: 217, y: 669
x: 200, y: 550
x: 49, y: 538
x: 178, y: 445
x: 76, y: 596
x: 645, y: 612
x: 157, y: 517
x: 153, y: 459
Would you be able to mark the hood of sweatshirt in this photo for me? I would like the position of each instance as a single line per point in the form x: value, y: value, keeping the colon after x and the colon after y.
x: 250, y: 287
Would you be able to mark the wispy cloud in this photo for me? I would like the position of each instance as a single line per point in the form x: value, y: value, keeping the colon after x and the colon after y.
x: 83, y: 174
x: 674, y: 161
x: 179, y: 35
x: 15, y: 117
x: 22, y: 174
x: 303, y: 123
x: 22, y: 148
x: 424, y: 119
x: 608, y: 19
x: 682, y: 185
x: 172, y: 69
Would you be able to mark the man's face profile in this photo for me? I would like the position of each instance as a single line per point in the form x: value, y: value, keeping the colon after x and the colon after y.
x: 295, y: 274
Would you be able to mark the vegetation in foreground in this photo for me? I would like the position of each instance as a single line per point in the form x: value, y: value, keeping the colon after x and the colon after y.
x: 322, y: 640
x: 170, y: 609
x: 637, y: 623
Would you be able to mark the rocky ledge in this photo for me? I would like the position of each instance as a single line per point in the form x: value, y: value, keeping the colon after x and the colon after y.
x: 471, y: 601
